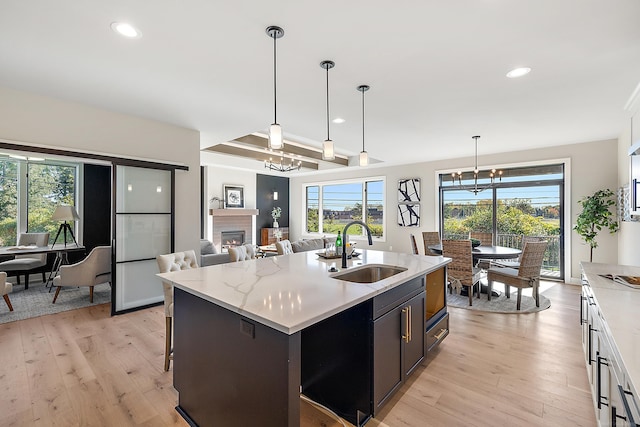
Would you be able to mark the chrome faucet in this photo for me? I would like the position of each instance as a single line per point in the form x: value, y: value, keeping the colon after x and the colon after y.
x: 344, y: 241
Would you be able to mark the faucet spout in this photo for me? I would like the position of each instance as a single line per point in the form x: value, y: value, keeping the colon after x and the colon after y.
x: 344, y: 236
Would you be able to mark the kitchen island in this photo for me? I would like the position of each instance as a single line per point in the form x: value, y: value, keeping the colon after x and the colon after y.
x: 251, y: 336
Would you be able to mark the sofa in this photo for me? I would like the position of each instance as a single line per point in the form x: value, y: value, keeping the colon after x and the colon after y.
x: 209, y: 254
x: 311, y: 244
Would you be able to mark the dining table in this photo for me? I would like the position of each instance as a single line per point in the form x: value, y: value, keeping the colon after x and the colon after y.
x: 486, y: 253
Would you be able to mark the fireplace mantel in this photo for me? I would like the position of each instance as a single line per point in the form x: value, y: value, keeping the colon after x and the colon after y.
x: 233, y: 212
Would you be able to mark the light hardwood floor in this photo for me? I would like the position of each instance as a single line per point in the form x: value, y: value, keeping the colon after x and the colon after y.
x: 85, y: 368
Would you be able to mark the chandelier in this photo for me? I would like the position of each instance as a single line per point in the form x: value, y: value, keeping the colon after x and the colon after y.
x: 282, y: 166
x: 476, y: 172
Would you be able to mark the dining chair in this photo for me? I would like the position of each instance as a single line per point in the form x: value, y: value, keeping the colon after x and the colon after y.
x: 515, y: 263
x: 414, y: 246
x: 172, y: 262
x: 430, y: 238
x: 5, y: 289
x: 284, y: 247
x: 486, y: 239
x: 22, y: 264
x: 527, y: 276
x: 461, y: 271
x: 91, y: 271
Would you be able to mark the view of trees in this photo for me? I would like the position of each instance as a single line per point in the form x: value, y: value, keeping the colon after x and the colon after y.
x: 48, y: 186
x: 514, y: 216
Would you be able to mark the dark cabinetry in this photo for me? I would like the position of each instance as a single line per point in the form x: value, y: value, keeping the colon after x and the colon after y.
x: 398, y: 347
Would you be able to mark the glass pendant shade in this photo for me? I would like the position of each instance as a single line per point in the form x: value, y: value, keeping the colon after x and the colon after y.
x: 275, y: 136
x: 327, y: 150
x: 364, y: 158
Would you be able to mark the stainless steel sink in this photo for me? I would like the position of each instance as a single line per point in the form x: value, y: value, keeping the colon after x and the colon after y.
x: 369, y: 273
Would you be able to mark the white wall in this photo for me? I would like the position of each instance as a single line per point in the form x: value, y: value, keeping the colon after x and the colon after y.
x: 43, y: 121
x: 593, y: 167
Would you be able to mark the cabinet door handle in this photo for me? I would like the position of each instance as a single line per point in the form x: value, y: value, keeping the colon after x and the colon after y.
x: 407, y: 324
x: 634, y: 191
x: 582, y: 319
x: 627, y: 408
x: 409, y: 328
x: 601, y: 398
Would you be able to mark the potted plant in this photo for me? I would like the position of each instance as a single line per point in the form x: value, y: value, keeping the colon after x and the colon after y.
x: 275, y: 214
x: 596, y: 214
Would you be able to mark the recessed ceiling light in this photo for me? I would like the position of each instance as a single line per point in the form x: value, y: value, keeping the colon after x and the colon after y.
x: 338, y: 120
x: 518, y: 72
x: 126, y: 30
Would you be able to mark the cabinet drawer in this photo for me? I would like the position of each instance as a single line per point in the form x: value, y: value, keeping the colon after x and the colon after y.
x: 437, y: 333
x: 391, y: 299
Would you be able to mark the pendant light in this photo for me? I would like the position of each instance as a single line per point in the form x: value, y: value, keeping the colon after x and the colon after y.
x: 476, y: 172
x: 328, y: 152
x: 364, y: 157
x: 275, y: 131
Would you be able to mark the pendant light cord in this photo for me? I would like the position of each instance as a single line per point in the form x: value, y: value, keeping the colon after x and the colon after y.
x: 327, y: 68
x: 275, y: 103
x: 363, y: 120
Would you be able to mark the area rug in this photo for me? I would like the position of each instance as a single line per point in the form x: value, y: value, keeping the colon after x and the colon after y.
x: 36, y: 301
x: 500, y: 304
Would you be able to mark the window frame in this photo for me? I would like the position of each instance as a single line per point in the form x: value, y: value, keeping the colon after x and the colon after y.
x: 362, y: 181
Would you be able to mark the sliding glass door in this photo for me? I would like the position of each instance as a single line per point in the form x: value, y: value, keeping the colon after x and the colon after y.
x: 526, y: 202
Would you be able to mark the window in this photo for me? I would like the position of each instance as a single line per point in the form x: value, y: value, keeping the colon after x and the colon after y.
x: 343, y: 202
x: 29, y: 193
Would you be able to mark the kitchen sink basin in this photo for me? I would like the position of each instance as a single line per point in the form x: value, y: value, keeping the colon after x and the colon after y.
x: 369, y: 273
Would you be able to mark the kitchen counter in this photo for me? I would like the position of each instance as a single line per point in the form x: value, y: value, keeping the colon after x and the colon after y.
x: 289, y: 293
x: 618, y: 305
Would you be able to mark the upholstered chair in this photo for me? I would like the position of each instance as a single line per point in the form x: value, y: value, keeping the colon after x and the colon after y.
x: 166, y: 263
x: 91, y: 271
x: 284, y: 247
x: 22, y: 264
x: 242, y: 253
x: 461, y: 271
x: 430, y: 238
x: 527, y: 276
x: 5, y: 289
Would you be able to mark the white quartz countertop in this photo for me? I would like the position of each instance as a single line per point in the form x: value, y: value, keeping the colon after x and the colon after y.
x: 291, y: 292
x: 619, y: 305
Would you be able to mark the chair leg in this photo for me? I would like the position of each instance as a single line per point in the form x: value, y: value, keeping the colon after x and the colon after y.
x: 55, y: 297
x: 167, y: 343
x: 507, y: 290
x: 44, y: 278
x: 470, y: 293
x: 489, y: 289
x: 8, y: 301
x: 91, y: 294
x: 519, y: 298
x: 536, y: 292
x: 26, y: 281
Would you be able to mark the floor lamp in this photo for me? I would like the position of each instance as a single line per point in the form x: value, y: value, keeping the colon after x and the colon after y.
x: 65, y: 213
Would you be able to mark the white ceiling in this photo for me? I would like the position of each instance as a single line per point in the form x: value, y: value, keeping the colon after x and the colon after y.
x: 436, y: 68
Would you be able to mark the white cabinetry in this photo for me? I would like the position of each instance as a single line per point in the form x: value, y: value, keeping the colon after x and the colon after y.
x: 614, y: 396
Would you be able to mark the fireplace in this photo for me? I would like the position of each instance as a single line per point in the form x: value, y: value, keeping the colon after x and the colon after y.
x: 232, y: 238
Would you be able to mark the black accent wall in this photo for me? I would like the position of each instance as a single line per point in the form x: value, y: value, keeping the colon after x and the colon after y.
x: 265, y: 186
x: 96, y: 221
